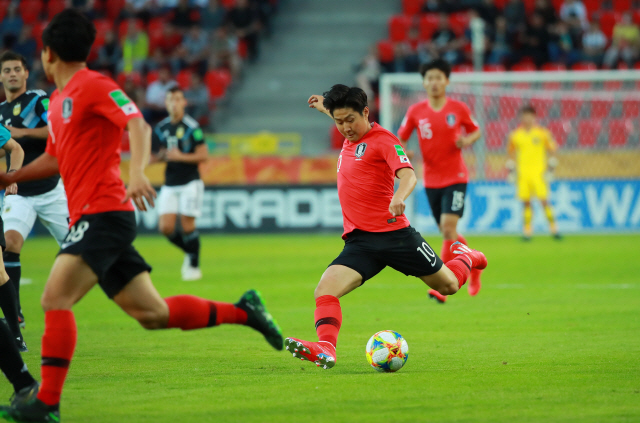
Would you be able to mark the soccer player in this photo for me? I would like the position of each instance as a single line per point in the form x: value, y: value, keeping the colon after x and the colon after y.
x: 376, y: 231
x: 8, y: 296
x: 180, y: 142
x: 528, y: 146
x: 440, y: 122
x: 25, y: 115
x: 87, y: 115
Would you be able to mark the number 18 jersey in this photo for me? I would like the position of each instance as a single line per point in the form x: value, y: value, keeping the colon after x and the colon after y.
x: 438, y: 131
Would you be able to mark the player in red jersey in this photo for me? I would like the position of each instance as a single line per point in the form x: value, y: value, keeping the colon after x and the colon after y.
x: 376, y: 231
x: 440, y: 121
x: 87, y: 115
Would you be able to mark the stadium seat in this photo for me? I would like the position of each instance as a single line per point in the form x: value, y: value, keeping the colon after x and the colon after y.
x: 509, y: 107
x: 36, y: 32
x: 398, y: 27
x: 217, y: 81
x: 619, y: 131
x: 529, y: 5
x: 113, y: 8
x: 570, y: 107
x: 122, y: 28
x: 494, y: 68
x: 620, y: 6
x: 152, y: 76
x: 601, y: 108
x: 54, y: 7
x: 500, y: 4
x: 542, y: 106
x: 554, y: 67
x: 524, y: 66
x: 386, y: 53
x: 630, y: 108
x: 228, y: 4
x: 582, y: 85
x: 593, y: 6
x: 551, y: 85
x: 428, y: 24
x: 560, y: 129
x: 496, y: 134
x: 588, y: 131
x: 412, y: 7
x: 636, y: 16
x: 459, y: 22
x: 183, y: 78
x: 463, y: 68
x: 30, y: 11
x: 584, y: 66
x: 612, y: 85
x: 607, y: 21
x: 156, y: 25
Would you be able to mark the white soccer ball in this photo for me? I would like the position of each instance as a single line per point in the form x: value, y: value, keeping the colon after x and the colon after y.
x: 387, y: 351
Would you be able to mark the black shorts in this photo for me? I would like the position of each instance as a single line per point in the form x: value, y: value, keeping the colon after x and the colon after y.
x: 448, y: 200
x: 103, y: 240
x: 404, y: 250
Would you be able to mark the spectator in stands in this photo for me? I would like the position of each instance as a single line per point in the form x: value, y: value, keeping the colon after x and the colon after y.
x: 197, y: 96
x: 194, y: 50
x: 476, y: 35
x: 499, y: 43
x: 87, y: 7
x: 489, y: 12
x: 516, y: 16
x: 246, y: 26
x: 140, y: 9
x: 625, y: 43
x: 26, y: 45
x: 184, y: 16
x: 561, y: 47
x: 535, y: 41
x: 406, y: 53
x: 132, y: 87
x: 212, y: 16
x: 224, y: 52
x: 574, y: 14
x: 594, y: 43
x: 368, y: 74
x: 109, y: 54
x: 155, y: 108
x: 169, y: 41
x: 135, y: 48
x: 545, y: 9
x: 444, y: 42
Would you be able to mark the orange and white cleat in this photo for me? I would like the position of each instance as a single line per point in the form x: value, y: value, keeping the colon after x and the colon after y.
x: 322, y: 353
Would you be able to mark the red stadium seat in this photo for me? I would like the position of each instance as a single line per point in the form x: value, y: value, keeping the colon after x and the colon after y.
x: 228, y: 4
x: 582, y: 85
x: 494, y: 68
x: 601, y: 108
x: 607, y: 21
x: 103, y: 25
x: 113, y: 8
x: 570, y: 107
x: 463, y: 68
x: 584, y: 66
x: 459, y: 22
x: 496, y: 133
x: 636, y: 16
x: 551, y: 85
x: 619, y: 131
x: 612, y: 85
x: 398, y: 27
x: 183, y: 78
x: 386, y: 52
x: 551, y: 67
x: 54, y: 7
x: 412, y: 7
x: 428, y: 24
x: 529, y: 5
x: 152, y: 76
x: 560, y: 129
x: 524, y: 66
x: 500, y: 3
x: 509, y: 107
x: 36, y: 32
x: 218, y: 81
x: 588, y: 131
x: 592, y: 6
x: 156, y: 25
x: 30, y: 11
x: 630, y: 108
x: 621, y: 6
x: 122, y: 28
x: 542, y: 106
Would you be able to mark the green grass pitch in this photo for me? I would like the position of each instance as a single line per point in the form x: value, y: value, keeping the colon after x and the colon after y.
x: 553, y: 336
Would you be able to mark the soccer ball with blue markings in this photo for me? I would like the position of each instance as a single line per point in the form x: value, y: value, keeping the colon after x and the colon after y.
x: 387, y: 351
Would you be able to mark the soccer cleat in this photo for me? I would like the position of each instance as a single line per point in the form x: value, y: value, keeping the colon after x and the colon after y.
x: 31, y: 411
x: 438, y: 297
x: 557, y: 236
x: 22, y: 346
x: 322, y: 353
x: 259, y: 318
x: 21, y: 320
x: 191, y: 274
x: 526, y: 238
x: 474, y: 282
x: 25, y: 394
x: 476, y: 258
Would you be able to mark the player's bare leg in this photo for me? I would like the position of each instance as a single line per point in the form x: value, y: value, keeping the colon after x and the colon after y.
x: 450, y: 278
x: 548, y: 211
x: 11, y: 257
x: 10, y: 307
x: 336, y: 282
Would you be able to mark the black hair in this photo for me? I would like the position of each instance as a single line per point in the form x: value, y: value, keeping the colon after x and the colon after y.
x: 175, y: 89
x: 70, y: 35
x: 340, y: 96
x: 9, y: 56
x: 439, y: 64
x: 528, y: 108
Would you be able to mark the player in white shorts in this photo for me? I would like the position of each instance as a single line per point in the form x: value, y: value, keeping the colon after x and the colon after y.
x: 24, y: 113
x: 178, y: 140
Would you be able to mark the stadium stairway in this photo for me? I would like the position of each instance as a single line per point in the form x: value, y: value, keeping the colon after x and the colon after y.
x: 314, y: 44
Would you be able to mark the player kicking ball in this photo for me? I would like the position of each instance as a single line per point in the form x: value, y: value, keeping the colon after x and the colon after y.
x: 377, y: 234
x: 440, y: 122
x: 528, y: 146
x: 180, y: 142
x: 87, y: 115
x: 25, y: 115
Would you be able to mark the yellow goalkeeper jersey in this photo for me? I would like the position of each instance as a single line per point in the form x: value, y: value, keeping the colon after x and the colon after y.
x: 531, y: 149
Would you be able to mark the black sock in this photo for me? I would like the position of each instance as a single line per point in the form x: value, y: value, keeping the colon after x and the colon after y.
x: 14, y: 270
x: 176, y: 239
x: 11, y: 362
x: 9, y: 306
x: 192, y: 247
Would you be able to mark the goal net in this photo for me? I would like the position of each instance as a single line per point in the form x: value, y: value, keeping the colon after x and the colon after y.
x: 594, y: 117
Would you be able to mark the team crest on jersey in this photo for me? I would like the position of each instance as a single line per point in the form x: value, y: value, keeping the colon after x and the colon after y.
x: 360, y: 149
x: 67, y: 108
x: 180, y: 132
x: 451, y: 119
x: 17, y: 109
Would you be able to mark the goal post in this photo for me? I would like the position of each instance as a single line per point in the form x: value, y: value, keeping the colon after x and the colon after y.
x: 593, y: 115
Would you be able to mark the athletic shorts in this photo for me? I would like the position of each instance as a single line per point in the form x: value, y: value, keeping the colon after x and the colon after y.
x: 103, y: 240
x: 449, y: 200
x: 185, y: 200
x: 20, y: 213
x: 404, y: 250
x: 529, y: 186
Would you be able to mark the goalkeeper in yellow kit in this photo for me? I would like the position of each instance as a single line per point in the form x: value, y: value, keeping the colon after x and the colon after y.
x: 531, y: 150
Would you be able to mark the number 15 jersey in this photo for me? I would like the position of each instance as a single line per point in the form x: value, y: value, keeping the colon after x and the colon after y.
x: 438, y: 131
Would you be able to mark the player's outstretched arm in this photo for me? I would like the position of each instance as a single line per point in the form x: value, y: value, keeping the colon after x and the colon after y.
x: 17, y: 157
x: 408, y: 182
x: 200, y: 154
x: 41, y: 133
x: 139, y: 187
x: 44, y: 166
x: 316, y: 102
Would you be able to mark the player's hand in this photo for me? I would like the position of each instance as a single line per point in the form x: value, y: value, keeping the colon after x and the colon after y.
x: 316, y: 102
x: 15, y: 132
x: 396, y: 207
x: 463, y: 142
x: 11, y: 189
x: 140, y: 189
x: 173, y: 155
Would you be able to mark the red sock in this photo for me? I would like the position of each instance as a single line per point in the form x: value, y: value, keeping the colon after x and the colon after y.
x: 446, y: 254
x: 188, y: 312
x: 58, y: 343
x: 461, y: 267
x: 328, y: 318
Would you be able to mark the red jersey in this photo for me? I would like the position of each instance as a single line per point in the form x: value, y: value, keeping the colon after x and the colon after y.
x: 366, y: 176
x: 438, y: 132
x: 86, y: 121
